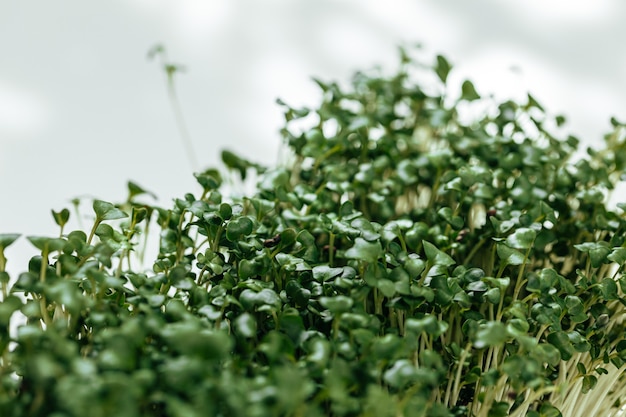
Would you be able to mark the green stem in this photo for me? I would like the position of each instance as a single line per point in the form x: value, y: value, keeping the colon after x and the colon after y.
x: 433, y: 190
x: 331, y: 249
x: 457, y: 379
x: 326, y: 155
x: 3, y: 263
x: 93, y: 230
x: 378, y: 302
x: 215, y: 243
x: 42, y: 277
x: 180, y: 121
x: 474, y: 251
x: 336, y: 327
x: 125, y: 253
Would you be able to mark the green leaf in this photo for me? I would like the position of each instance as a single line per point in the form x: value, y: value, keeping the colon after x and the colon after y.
x: 134, y: 190
x: 307, y: 240
x: 579, y: 343
x: 387, y: 287
x: 589, y: 382
x: 66, y: 293
x: 190, y: 339
x: 292, y: 263
x: 522, y: 238
x: 322, y: 273
x: 337, y: 304
x: 61, y: 217
x: 547, y: 314
x: 501, y: 283
x: 6, y: 239
x: 477, y: 286
x: 548, y: 353
x: 442, y: 68
x: 547, y: 410
x: 107, y: 211
x: 492, y: 333
x: 239, y: 228
x: 428, y: 324
x: 226, y: 211
x: 574, y: 305
x: 245, y: 325
x: 8, y: 306
x: 455, y: 221
x: 274, y: 179
x: 105, y: 232
x: 287, y: 238
x: 250, y: 299
x: 138, y: 214
x: 561, y: 341
x: 493, y: 295
x: 416, y: 234
x: 364, y: 250
x: 401, y: 374
x: 468, y: 92
x: 443, y: 292
x: 318, y: 352
x: 617, y: 255
x: 236, y: 163
x: 608, y: 287
x: 414, y: 266
x: 543, y: 282
x: 509, y: 255
x: 436, y: 256
x: 49, y: 244
x: 532, y: 102
x: 209, y: 180
x: 499, y: 409
x: 598, y: 252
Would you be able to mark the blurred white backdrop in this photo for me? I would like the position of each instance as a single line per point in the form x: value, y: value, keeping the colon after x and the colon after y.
x: 82, y: 110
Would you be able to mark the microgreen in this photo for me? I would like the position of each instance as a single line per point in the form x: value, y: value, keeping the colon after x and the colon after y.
x: 406, y: 262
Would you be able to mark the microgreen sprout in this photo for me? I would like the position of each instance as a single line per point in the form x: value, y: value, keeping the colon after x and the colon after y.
x: 407, y: 262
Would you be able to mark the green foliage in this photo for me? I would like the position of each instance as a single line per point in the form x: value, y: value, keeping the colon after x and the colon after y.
x: 407, y: 262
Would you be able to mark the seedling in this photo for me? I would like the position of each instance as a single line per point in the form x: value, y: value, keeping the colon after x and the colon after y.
x: 407, y: 262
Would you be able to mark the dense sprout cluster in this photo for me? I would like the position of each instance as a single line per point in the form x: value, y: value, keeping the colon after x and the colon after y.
x: 406, y: 262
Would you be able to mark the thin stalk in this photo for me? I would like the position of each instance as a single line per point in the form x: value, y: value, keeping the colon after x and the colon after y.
x: 93, y: 230
x: 457, y: 379
x: 474, y: 251
x: 3, y: 263
x: 171, y: 69
x: 180, y: 120
x: 43, y: 305
x: 126, y: 252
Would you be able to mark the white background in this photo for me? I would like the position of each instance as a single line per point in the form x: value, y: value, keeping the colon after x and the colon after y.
x: 82, y: 110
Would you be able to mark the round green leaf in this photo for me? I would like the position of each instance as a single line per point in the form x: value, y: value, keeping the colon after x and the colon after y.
x: 492, y: 333
x: 522, y: 238
x: 401, y: 374
x: 245, y: 325
x: 322, y: 273
x: 364, y: 250
x: 561, y: 341
x: 107, y: 211
x: 238, y: 228
x: 7, y: 307
x: 337, y: 304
